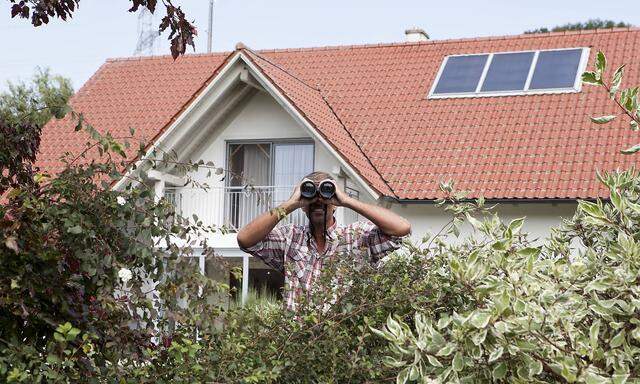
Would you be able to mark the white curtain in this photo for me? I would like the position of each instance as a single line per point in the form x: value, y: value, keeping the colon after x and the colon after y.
x: 256, y: 164
x: 292, y: 162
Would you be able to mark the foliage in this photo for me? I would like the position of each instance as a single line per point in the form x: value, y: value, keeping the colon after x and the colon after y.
x: 93, y: 280
x: 493, y: 307
x: 24, y: 109
x: 626, y: 99
x: 181, y: 31
x: 530, y: 314
x: 589, y: 24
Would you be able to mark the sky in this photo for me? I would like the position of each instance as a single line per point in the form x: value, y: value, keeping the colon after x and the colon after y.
x: 102, y: 29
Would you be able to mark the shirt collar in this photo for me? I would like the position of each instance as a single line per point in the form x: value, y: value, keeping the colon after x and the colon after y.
x: 330, y: 230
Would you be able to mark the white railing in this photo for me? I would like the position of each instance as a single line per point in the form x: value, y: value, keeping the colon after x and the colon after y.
x: 232, y: 207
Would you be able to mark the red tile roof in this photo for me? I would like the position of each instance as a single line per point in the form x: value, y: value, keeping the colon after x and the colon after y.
x: 370, y: 103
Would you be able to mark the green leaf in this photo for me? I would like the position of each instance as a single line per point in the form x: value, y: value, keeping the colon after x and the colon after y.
x: 480, y: 319
x: 535, y: 367
x: 73, y: 332
x: 403, y: 376
x: 591, y: 209
x: 58, y: 337
x: 53, y: 359
x: 458, y: 362
x: 502, y: 301
x: 75, y: 230
x: 394, y: 327
x: 590, y: 78
x: 616, y: 81
x: 516, y: 224
x: 433, y: 361
x: 500, y: 371
x: 631, y: 150
x: 603, y: 119
x: 597, y: 285
x: 617, y: 340
x: 592, y: 378
x: 529, y: 251
x: 393, y: 363
x: 382, y: 334
x: 601, y: 62
x: 475, y: 223
x: 446, y: 350
x: 594, y: 331
x: 444, y: 320
x: 414, y: 373
x: 495, y: 354
x: 616, y: 200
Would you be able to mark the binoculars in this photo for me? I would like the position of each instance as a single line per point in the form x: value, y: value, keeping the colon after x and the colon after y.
x: 326, y: 189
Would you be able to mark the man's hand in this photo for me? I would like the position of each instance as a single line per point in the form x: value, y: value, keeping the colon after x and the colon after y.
x: 297, y: 201
x: 262, y: 225
x: 339, y: 199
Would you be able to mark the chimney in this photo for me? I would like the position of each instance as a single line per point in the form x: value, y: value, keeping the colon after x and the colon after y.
x: 414, y: 35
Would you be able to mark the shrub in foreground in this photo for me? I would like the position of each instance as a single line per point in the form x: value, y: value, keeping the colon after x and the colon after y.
x: 492, y: 308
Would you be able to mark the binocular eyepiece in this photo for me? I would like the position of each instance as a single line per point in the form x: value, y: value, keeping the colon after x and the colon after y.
x: 326, y: 189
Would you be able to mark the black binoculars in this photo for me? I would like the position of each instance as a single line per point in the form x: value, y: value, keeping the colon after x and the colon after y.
x: 326, y: 189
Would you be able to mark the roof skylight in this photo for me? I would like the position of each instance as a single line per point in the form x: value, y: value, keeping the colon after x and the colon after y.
x: 510, y: 73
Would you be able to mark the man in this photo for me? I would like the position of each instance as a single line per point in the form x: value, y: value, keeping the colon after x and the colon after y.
x: 299, y: 252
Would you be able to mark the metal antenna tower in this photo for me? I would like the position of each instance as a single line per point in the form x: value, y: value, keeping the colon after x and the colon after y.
x: 210, y: 31
x: 147, y: 34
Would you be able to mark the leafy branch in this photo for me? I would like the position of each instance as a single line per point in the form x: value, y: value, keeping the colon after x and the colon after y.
x: 625, y: 99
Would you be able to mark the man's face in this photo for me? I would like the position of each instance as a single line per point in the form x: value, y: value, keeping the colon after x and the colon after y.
x: 315, y: 210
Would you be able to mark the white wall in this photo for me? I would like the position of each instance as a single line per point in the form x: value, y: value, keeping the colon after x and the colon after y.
x: 540, y: 217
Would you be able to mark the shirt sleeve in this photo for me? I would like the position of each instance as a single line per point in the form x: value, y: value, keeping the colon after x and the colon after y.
x: 272, y: 248
x: 377, y: 243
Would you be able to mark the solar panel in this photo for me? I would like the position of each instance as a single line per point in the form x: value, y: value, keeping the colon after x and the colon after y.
x: 461, y: 74
x: 556, y: 69
x: 508, y: 72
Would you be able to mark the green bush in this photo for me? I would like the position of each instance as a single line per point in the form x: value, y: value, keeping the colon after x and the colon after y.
x: 491, y: 308
x: 93, y: 280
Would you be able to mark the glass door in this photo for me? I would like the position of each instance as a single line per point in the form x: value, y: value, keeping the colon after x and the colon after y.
x: 248, y: 193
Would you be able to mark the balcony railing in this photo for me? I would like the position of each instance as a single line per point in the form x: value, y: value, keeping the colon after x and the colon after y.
x: 232, y: 207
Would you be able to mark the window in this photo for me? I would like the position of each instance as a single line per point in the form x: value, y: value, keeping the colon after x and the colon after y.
x: 509, y: 73
x: 262, y: 175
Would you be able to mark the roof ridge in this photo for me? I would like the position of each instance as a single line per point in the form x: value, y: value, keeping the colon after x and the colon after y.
x: 392, y: 44
x: 161, y: 57
x: 455, y: 40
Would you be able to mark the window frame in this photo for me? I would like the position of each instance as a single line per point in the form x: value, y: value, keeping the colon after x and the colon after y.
x: 577, y: 84
x: 272, y: 143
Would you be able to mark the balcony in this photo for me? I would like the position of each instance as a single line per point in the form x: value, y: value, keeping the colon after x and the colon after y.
x: 232, y: 207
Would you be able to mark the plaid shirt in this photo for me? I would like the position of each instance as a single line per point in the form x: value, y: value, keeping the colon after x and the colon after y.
x: 292, y: 250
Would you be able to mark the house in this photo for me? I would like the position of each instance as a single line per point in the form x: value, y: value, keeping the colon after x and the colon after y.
x: 506, y: 118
